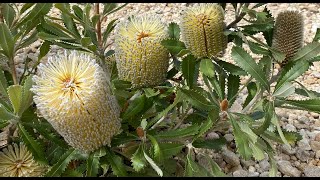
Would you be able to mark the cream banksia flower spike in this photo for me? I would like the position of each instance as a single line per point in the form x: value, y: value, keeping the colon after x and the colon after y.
x: 202, y: 29
x: 140, y: 57
x: 288, y: 33
x: 17, y: 161
x: 73, y: 93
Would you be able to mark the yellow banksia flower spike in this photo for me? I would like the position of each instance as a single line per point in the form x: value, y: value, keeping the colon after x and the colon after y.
x: 288, y: 33
x: 17, y: 161
x: 140, y: 57
x: 202, y: 29
x: 73, y: 93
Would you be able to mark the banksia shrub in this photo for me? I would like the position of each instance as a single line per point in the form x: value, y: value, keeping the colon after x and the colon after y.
x: 72, y: 93
x: 17, y: 161
x: 288, y: 33
x: 140, y: 57
x: 202, y: 29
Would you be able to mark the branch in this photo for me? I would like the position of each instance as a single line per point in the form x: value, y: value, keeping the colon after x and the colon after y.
x: 98, y: 25
x: 238, y: 19
x: 1, y: 15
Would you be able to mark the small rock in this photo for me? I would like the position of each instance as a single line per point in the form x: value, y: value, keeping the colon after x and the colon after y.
x: 251, y: 169
x: 264, y: 174
x: 317, y: 137
x: 284, y: 157
x: 293, y: 158
x: 286, y: 168
x: 253, y: 174
x: 312, y: 171
x: 304, y: 144
x: 212, y: 136
x: 318, y: 154
x: 248, y: 163
x: 240, y: 173
x: 230, y: 157
x: 302, y: 155
x: 290, y: 128
x: 314, y: 115
x: 316, y: 74
x: 229, y: 137
x: 287, y: 149
x: 303, y: 119
x: 315, y: 145
x: 264, y: 165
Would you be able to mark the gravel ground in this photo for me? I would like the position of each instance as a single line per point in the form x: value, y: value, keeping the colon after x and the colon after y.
x: 302, y: 159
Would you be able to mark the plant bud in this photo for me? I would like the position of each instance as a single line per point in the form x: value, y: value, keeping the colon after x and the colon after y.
x: 224, y: 105
x: 202, y: 29
x: 140, y: 57
x: 288, y: 33
x: 73, y: 93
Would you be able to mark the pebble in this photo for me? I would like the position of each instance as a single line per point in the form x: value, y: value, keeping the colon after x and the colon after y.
x: 229, y: 137
x: 317, y: 137
x: 251, y: 169
x: 286, y: 168
x: 287, y: 149
x: 318, y: 154
x: 315, y: 145
x: 304, y: 144
x: 212, y: 136
x: 264, y: 165
x: 312, y: 171
x: 240, y: 173
x: 302, y: 155
x: 264, y: 174
x: 230, y: 157
x: 303, y: 119
x: 248, y: 163
x: 253, y: 174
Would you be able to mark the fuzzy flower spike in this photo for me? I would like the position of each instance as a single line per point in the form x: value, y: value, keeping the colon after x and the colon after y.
x: 202, y: 29
x: 73, y: 93
x: 17, y: 161
x: 140, y: 57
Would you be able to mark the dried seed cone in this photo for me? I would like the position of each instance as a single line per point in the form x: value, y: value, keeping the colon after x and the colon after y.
x: 202, y: 29
x: 140, y: 57
x: 288, y: 33
x: 73, y: 93
x: 17, y: 161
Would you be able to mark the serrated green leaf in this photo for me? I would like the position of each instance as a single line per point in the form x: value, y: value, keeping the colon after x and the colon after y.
x: 268, y: 114
x: 309, y: 105
x: 178, y: 133
x: 213, y: 117
x: 92, y: 165
x: 170, y: 149
x: 307, y: 52
x: 153, y: 164
x: 277, y: 55
x: 115, y: 9
x: 215, y: 169
x: 150, y: 92
x: 317, y: 35
x: 25, y: 7
x: 193, y: 169
x: 5, y: 114
x: 284, y: 91
x: 108, y: 30
x: 173, y: 46
x: 15, y: 96
x: 61, y: 165
x: 3, y: 85
x: 233, y: 69
x: 26, y: 94
x: 31, y: 39
x: 72, y: 173
x: 6, y: 41
x: 233, y: 87
x: 32, y: 144
x: 68, y: 19
x: 135, y: 107
x: 108, y: 7
x: 44, y: 49
x: 174, y: 30
x: 157, y: 153
x: 309, y: 93
x: 246, y: 62
x: 252, y: 90
x: 257, y: 49
x: 138, y: 160
x: 4, y: 123
x: 215, y: 144
x: 8, y: 13
x: 207, y: 67
x: 85, y: 42
x: 116, y: 163
x: 288, y: 75
x: 257, y: 153
x: 241, y: 139
x: 248, y: 131
x: 275, y: 121
x: 198, y: 100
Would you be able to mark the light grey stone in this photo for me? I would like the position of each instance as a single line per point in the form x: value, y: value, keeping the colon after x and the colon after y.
x: 303, y: 119
x: 248, y: 163
x: 290, y: 128
x: 315, y: 145
x: 312, y: 171
x: 302, y: 155
x: 252, y: 169
x: 264, y: 174
x: 230, y: 157
x: 304, y: 144
x: 229, y: 137
x: 253, y: 174
x: 212, y: 135
x: 264, y: 165
x: 286, y: 168
x: 240, y: 173
x: 287, y: 149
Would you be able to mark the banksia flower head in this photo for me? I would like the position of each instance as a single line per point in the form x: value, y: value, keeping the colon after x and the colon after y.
x: 17, y: 161
x: 288, y: 33
x: 140, y: 57
x: 73, y: 94
x: 202, y: 29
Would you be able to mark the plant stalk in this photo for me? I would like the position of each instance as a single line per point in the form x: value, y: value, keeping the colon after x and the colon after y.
x: 98, y: 26
x: 1, y: 15
x: 238, y: 19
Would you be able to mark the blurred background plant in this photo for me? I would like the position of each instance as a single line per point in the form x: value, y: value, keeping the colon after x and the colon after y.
x: 162, y: 125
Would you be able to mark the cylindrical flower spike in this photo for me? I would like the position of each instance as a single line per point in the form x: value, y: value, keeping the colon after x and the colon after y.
x: 17, y: 161
x: 73, y: 93
x: 288, y: 33
x: 202, y: 29
x: 140, y: 57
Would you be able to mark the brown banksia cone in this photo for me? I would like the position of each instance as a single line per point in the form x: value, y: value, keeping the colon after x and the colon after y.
x: 202, y: 29
x: 224, y: 105
x: 288, y: 34
x: 140, y: 57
